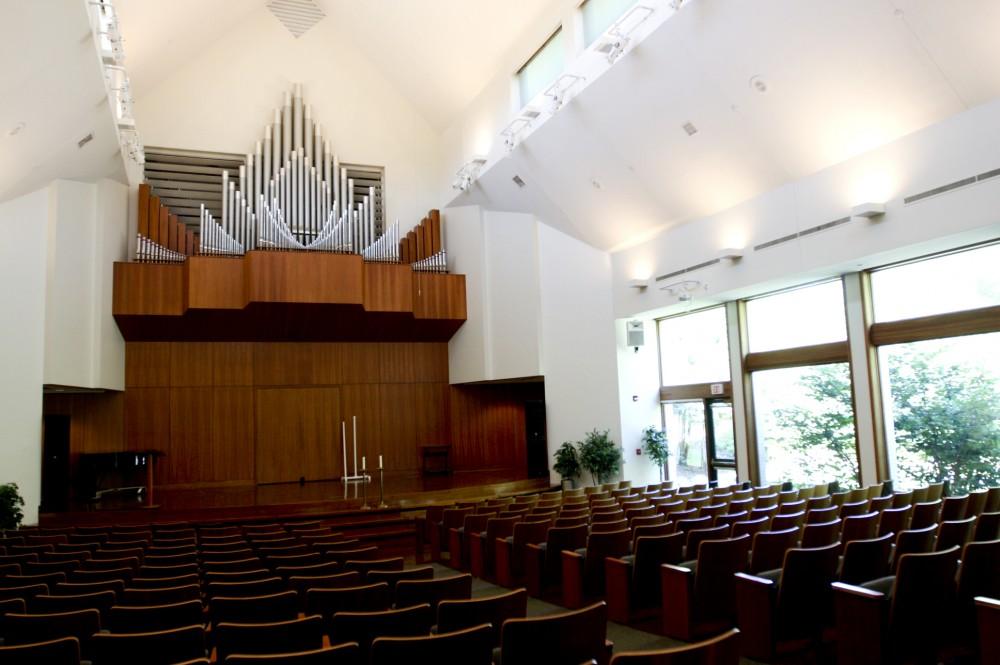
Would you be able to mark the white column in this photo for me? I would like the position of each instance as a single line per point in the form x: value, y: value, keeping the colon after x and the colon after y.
x: 868, y: 424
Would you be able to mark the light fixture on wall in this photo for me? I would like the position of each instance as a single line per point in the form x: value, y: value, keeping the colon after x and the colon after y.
x: 639, y: 285
x: 731, y: 254
x: 467, y: 175
x: 684, y: 291
x: 519, y: 124
x: 616, y: 40
x: 560, y: 88
x: 869, y: 211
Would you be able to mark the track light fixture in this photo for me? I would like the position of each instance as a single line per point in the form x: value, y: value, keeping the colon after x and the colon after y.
x: 684, y: 290
x: 467, y: 175
x: 616, y: 40
x: 562, y: 86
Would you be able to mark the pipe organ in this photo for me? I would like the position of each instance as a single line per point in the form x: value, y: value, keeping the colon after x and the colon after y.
x: 293, y: 193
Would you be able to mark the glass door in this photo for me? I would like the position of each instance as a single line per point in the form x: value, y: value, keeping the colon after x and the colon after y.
x: 701, y: 441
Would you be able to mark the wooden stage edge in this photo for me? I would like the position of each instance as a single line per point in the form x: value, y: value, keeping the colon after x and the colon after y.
x: 317, y: 500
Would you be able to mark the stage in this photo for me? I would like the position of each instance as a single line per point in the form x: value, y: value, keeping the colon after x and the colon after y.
x: 328, y: 500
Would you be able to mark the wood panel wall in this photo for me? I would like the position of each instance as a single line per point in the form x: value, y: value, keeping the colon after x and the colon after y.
x: 261, y: 412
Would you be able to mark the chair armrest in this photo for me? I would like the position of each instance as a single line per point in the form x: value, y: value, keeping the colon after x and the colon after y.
x: 420, y: 528
x: 502, y: 563
x: 677, y: 589
x: 572, y: 579
x: 605, y: 658
x: 534, y: 560
x: 476, y: 562
x: 755, y: 606
x: 861, y: 616
x: 455, y: 548
x: 618, y: 578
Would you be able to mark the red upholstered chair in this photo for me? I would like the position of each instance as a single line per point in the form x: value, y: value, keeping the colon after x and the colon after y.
x: 391, y: 577
x: 482, y: 549
x: 159, y: 648
x: 699, y: 596
x: 367, y: 598
x: 721, y: 650
x: 782, y: 612
x: 364, y: 627
x: 896, y: 625
x: 417, y: 592
x: 458, y: 539
x: 568, y: 638
x: 451, y: 518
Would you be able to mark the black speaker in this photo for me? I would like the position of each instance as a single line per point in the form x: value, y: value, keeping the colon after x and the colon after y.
x: 538, y: 453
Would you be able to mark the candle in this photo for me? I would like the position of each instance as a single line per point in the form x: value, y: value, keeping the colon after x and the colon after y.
x: 379, y: 461
x: 343, y: 438
x: 354, y: 423
x: 362, y: 462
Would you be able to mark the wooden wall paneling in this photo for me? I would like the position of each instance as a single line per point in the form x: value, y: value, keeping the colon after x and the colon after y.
x: 191, y: 364
x: 297, y: 363
x: 388, y: 288
x: 365, y: 402
x: 437, y: 296
x: 147, y: 364
x: 360, y: 362
x: 306, y: 277
x: 216, y: 283
x: 396, y: 363
x: 149, y: 289
x: 142, y: 224
x: 164, y: 225
x: 189, y: 243
x: 232, y: 363
x: 189, y: 458
x: 399, y: 426
x: 421, y: 250
x: 487, y: 426
x: 430, y: 361
x: 154, y: 218
x: 297, y: 429
x: 232, y: 443
x: 432, y: 414
x: 147, y: 419
x: 173, y: 232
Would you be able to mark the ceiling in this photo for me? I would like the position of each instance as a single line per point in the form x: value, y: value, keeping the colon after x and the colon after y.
x: 439, y: 54
x: 614, y: 166
x: 53, y: 95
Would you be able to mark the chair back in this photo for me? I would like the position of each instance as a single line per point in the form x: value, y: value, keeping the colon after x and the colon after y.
x: 367, y: 598
x: 650, y: 553
x: 988, y: 623
x: 979, y: 575
x: 804, y: 588
x: 494, y: 610
x: 987, y: 526
x: 954, y: 507
x: 694, y: 537
x: 65, y: 651
x: 721, y: 650
x: 894, y: 520
x: 866, y: 559
x: 955, y: 532
x: 255, y: 609
x: 391, y: 577
x: 123, y: 619
x: 859, y: 527
x: 769, y: 547
x: 853, y: 508
x: 599, y: 547
x: 416, y: 592
x: 33, y: 628
x: 365, y: 627
x: 471, y: 645
x: 715, y: 578
x: 157, y: 648
x: 820, y: 534
x: 567, y: 638
x: 914, y: 541
x: 818, y: 515
x: 304, y: 634
x: 926, y: 514
x: 750, y: 527
x: 559, y: 539
x: 781, y: 522
x: 923, y: 581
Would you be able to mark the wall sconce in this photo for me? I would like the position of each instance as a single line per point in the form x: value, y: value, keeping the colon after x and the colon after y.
x: 638, y: 284
x: 869, y: 211
x: 731, y: 254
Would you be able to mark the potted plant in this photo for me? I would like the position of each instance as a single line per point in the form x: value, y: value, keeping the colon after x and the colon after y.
x: 600, y: 456
x: 10, y: 507
x: 567, y: 464
x: 654, y: 443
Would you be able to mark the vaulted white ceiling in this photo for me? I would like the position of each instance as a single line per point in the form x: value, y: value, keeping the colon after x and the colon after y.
x: 841, y: 77
x: 438, y: 53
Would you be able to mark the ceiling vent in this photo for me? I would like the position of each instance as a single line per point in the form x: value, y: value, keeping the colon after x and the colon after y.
x: 682, y: 271
x: 517, y: 181
x: 964, y: 182
x: 298, y: 16
x: 802, y: 234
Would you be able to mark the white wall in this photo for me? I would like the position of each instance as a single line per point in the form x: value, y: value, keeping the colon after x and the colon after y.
x: 578, y: 340
x: 638, y: 399
x: 23, y: 226
x: 223, y: 97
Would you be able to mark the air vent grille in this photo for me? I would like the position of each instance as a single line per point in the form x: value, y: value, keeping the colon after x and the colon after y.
x: 682, y: 271
x: 298, y: 16
x: 964, y: 182
x: 801, y: 234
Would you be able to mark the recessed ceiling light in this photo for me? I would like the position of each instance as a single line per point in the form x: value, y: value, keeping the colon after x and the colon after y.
x: 690, y: 128
x: 16, y: 129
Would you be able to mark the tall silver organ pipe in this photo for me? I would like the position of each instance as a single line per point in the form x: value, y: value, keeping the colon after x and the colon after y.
x: 293, y: 192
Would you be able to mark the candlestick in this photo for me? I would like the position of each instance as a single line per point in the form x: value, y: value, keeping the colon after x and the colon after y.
x: 380, y: 462
x: 343, y: 440
x: 364, y: 492
x: 381, y: 486
x: 354, y: 424
x: 363, y: 466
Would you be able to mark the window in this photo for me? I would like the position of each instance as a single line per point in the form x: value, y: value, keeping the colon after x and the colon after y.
x: 599, y: 15
x: 805, y: 424
x: 694, y: 348
x: 950, y: 283
x: 941, y: 393
x: 542, y: 69
x: 800, y: 317
x: 803, y: 403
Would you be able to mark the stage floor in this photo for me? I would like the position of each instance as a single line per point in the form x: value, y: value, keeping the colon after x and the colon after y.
x: 403, y: 492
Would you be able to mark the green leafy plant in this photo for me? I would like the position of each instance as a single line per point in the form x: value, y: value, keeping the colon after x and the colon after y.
x: 654, y: 443
x: 600, y: 456
x: 567, y: 461
x: 10, y: 506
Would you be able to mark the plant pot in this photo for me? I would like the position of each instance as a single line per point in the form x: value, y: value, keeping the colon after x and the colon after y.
x: 568, y: 484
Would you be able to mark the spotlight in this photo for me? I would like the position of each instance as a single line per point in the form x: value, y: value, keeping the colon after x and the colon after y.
x: 466, y: 175
x: 560, y: 88
x: 616, y: 40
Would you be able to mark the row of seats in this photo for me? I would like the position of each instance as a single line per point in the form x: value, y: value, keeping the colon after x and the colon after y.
x: 684, y: 553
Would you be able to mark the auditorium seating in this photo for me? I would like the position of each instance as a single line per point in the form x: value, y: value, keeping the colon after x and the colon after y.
x: 721, y: 650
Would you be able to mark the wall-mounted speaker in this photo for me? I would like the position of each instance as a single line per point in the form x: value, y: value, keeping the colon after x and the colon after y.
x: 634, y: 334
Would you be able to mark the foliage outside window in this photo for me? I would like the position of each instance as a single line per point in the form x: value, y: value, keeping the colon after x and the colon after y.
x: 542, y: 69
